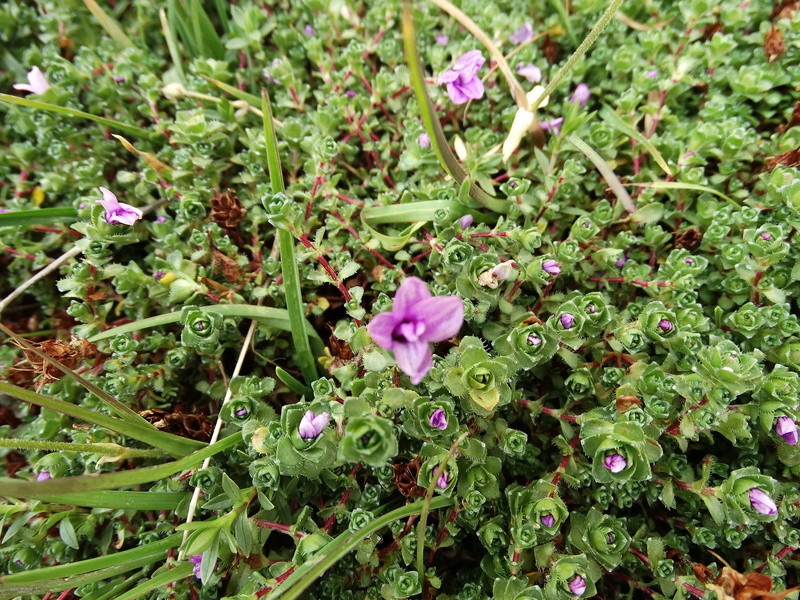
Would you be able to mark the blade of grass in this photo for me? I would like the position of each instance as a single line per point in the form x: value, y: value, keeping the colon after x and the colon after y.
x: 43, y: 216
x: 154, y: 582
x: 168, y: 442
x: 610, y: 177
x: 439, y: 143
x: 677, y: 185
x: 109, y: 24
x: 274, y: 317
x: 126, y: 500
x: 71, y: 112
x: 178, y: 18
x: 287, y: 378
x: 616, y: 121
x: 172, y: 45
x: 558, y: 5
x: 307, y: 573
x: 291, y: 274
x: 405, y: 213
x: 252, y: 100
x: 125, y: 412
x: 15, y: 488
x: 204, y: 33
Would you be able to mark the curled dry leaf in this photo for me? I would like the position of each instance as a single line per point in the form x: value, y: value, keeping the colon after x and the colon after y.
x: 787, y: 159
x: 774, y: 47
x: 70, y: 354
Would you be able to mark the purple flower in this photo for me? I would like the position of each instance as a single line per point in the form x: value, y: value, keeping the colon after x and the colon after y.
x: 350, y: 94
x: 521, y: 35
x: 651, y: 74
x: 438, y: 419
x: 615, y: 463
x: 465, y: 221
x: 761, y: 502
x: 416, y: 320
x: 581, y: 94
x: 311, y: 425
x: 196, y: 560
x: 43, y: 476
x: 37, y: 84
x: 534, y: 340
x: 530, y: 72
x: 766, y: 236
x: 119, y: 79
x: 161, y: 219
x: 242, y: 412
x: 665, y: 325
x: 548, y: 520
x: 309, y: 30
x: 462, y: 80
x: 689, y: 261
x: 621, y: 262
x: 159, y: 274
x: 567, y: 320
x: 118, y: 213
x: 577, y: 585
x: 591, y: 309
x: 424, y: 140
x: 441, y: 39
x: 551, y: 267
x: 787, y: 429
x: 553, y: 125
x: 442, y: 482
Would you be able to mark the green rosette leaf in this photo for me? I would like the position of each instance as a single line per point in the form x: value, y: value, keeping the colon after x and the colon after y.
x: 564, y: 571
x: 600, y: 536
x: 368, y: 439
x: 297, y: 456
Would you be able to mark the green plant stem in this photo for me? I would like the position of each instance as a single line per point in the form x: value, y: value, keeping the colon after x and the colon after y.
x: 291, y: 274
x: 590, y: 39
x: 104, y: 449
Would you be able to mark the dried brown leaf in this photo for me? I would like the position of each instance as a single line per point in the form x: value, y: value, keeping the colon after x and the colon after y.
x: 790, y: 158
x: 774, y: 46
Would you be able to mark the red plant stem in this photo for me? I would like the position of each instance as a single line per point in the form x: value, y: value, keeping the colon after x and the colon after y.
x: 278, y: 527
x: 696, y: 591
x: 345, y: 497
x: 552, y: 413
x: 18, y: 253
x: 779, y: 555
x: 326, y: 265
x: 639, y: 555
x: 349, y: 200
x: 356, y: 235
x: 562, y: 466
x: 486, y: 234
x: 756, y: 280
x: 639, y: 586
x: 674, y: 428
x: 514, y: 290
x: 279, y: 579
x: 65, y: 594
x: 442, y: 533
x: 633, y: 281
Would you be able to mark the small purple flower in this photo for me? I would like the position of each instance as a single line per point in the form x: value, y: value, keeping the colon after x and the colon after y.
x: 521, y: 35
x: 665, y: 325
x: 689, y: 261
x: 119, y: 79
x: 438, y: 419
x: 43, y: 476
x: 548, y: 520
x: 309, y: 30
x: 242, y: 412
x: 615, y: 463
x: 530, y: 72
x: 161, y: 219
x: 551, y: 267
x: 567, y: 320
x: 424, y: 140
x: 416, y: 320
x: 591, y: 309
x: 581, y: 94
x: 766, y: 236
x: 350, y: 94
x: 442, y: 39
x: 196, y: 560
x: 534, y: 340
x: 610, y: 538
x: 553, y: 125
x: 761, y: 502
x: 311, y: 425
x: 577, y: 585
x: 466, y: 221
x: 4, y: 210
x: 651, y: 74
x: 118, y: 213
x: 463, y: 83
x: 442, y: 481
x: 37, y: 84
x: 787, y: 429
x: 621, y: 262
x: 159, y: 274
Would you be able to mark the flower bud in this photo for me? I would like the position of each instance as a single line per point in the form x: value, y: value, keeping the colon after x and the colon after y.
x: 551, y: 267
x: 761, y: 502
x: 615, y: 463
x: 577, y: 585
x: 466, y: 221
x: 173, y: 91
x: 787, y: 429
x: 567, y: 320
x: 438, y: 419
x: 547, y: 520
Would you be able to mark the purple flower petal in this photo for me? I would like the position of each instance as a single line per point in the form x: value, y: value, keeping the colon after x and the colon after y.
x: 443, y: 317
x: 471, y: 88
x: 548, y: 520
x: 43, y: 476
x: 37, y: 84
x: 410, y: 292
x: 438, y: 419
x: 577, y: 585
x: 118, y: 213
x: 761, y: 502
x: 381, y: 329
x: 311, y: 425
x: 581, y: 94
x: 551, y: 267
x: 466, y: 221
x: 615, y: 463
x: 787, y: 429
x: 442, y: 482
x: 309, y: 30
x: 456, y: 95
x: 530, y: 72
x: 441, y: 39
x: 470, y: 62
x: 448, y: 77
x: 522, y: 35
x: 414, y: 359
x: 424, y: 140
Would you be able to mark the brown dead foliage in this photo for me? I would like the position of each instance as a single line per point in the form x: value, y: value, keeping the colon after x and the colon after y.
x: 790, y: 158
x: 712, y: 29
x: 69, y: 354
x: 785, y: 9
x: 689, y: 238
x: 774, y: 47
x: 625, y: 403
x: 232, y: 271
x: 405, y: 478
x: 226, y: 210
x: 550, y: 49
x: 732, y: 585
x: 189, y: 425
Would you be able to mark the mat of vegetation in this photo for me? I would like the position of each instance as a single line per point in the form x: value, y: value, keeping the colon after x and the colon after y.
x: 362, y: 299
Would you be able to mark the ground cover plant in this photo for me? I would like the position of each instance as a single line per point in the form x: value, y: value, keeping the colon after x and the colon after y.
x: 382, y: 300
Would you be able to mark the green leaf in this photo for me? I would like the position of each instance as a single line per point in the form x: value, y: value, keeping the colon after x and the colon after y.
x: 677, y: 185
x: 67, y: 532
x: 126, y: 500
x: 172, y: 44
x: 109, y: 24
x: 71, y: 112
x: 252, y: 100
x: 291, y: 274
x: 106, y: 481
x: 168, y: 442
x: 37, y: 216
x: 608, y: 174
x: 161, y: 580
x: 206, y: 37
x: 714, y: 507
x: 616, y: 121
x: 291, y: 382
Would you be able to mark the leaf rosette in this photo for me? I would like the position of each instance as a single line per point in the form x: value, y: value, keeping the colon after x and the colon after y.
x: 428, y: 418
x: 479, y: 379
x: 368, y: 439
x: 603, y: 442
x: 602, y: 537
x: 528, y: 345
x: 564, y: 572
x: 295, y: 455
x: 735, y: 494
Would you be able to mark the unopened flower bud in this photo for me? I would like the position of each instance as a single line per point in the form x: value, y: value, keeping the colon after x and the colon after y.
x: 438, y: 419
x: 787, y: 429
x: 173, y: 91
x: 615, y: 463
x: 761, y: 502
x: 551, y: 267
x: 577, y: 585
x: 567, y: 320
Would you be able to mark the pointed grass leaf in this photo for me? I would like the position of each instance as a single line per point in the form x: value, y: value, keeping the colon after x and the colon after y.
x: 37, y: 216
x: 608, y: 174
x: 108, y: 23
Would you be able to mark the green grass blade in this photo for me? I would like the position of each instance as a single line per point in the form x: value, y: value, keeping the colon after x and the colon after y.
x: 109, y: 24
x: 168, y: 442
x: 37, y: 216
x: 439, y: 143
x: 126, y: 500
x: 558, y: 6
x: 205, y: 35
x: 307, y: 573
x: 405, y: 213
x: 291, y: 274
x: 178, y: 20
x: 222, y: 13
x: 71, y: 112
x: 172, y: 44
x: 677, y: 185
x: 287, y: 378
x: 106, y: 481
x: 252, y: 100
x: 93, y: 564
x: 608, y: 174
x: 176, y: 573
x: 616, y: 121
x: 274, y: 317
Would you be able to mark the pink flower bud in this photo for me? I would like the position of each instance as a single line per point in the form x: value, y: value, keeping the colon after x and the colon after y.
x: 761, y: 502
x: 787, y: 429
x: 615, y: 463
